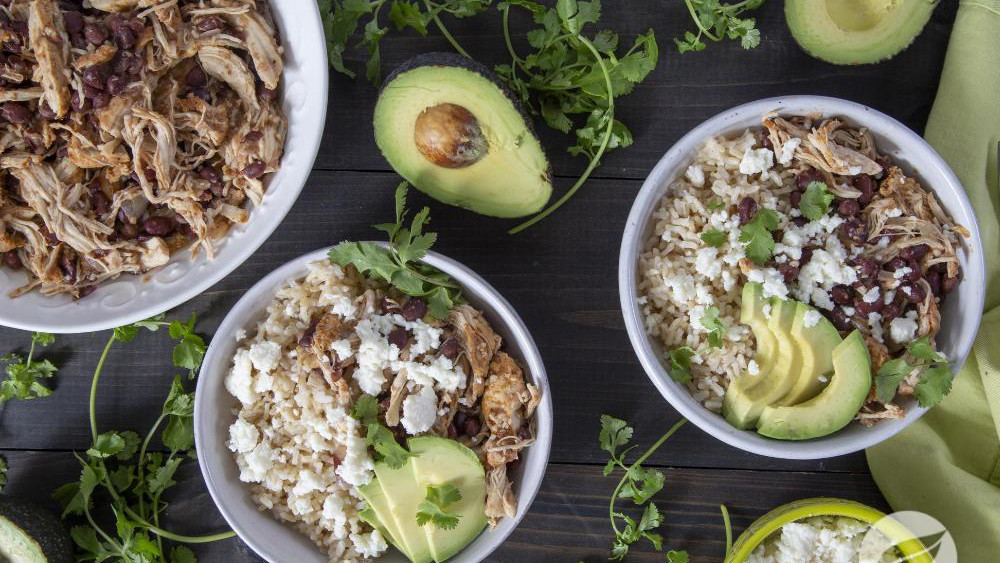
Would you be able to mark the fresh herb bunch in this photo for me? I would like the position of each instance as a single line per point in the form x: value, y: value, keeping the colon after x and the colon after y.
x: 399, y: 264
x: 380, y: 438
x: 716, y: 21
x: 921, y: 358
x: 119, y: 464
x: 639, y: 484
x: 571, y: 73
x: 343, y: 18
x: 23, y: 374
x: 434, y: 508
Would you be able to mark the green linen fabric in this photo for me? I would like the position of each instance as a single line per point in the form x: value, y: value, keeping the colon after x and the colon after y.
x: 947, y: 464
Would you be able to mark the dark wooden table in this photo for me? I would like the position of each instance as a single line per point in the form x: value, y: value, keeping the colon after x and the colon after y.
x: 560, y: 275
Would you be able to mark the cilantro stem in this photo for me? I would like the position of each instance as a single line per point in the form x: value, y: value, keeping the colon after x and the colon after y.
x: 178, y: 537
x: 141, y: 470
x: 595, y: 160
x: 697, y: 22
x: 636, y: 463
x: 729, y: 529
x: 93, y: 386
x: 444, y: 31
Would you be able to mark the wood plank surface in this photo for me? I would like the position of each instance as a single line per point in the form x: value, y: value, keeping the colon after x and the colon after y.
x: 561, y: 276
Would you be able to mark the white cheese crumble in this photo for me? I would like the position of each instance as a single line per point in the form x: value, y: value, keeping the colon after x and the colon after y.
x: 871, y: 295
x: 419, y: 411
x: 875, y: 326
x: 243, y: 436
x: 265, y: 355
x: 695, y: 175
x: 756, y: 161
x: 239, y: 382
x: 811, y: 318
x: 903, y: 329
x: 771, y: 280
x: 900, y: 273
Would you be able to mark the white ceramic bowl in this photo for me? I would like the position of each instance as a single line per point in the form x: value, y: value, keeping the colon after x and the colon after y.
x: 961, y: 312
x: 279, y: 543
x: 131, y: 298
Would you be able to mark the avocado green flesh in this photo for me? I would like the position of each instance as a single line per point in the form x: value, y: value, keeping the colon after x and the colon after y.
x: 835, y: 407
x: 510, y: 180
x: 751, y: 314
x: 747, y: 402
x: 378, y: 515
x: 856, y: 31
x: 438, y: 462
x: 816, y: 344
x: 402, y: 494
x: 16, y: 546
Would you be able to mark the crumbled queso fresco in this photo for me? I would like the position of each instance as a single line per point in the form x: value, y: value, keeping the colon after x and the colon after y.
x: 825, y: 539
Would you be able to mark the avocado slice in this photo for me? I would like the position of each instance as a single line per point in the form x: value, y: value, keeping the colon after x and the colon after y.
x: 448, y: 125
x: 31, y: 534
x: 752, y: 314
x: 815, y: 337
x: 378, y: 515
x: 441, y: 461
x: 402, y: 494
x: 856, y: 31
x: 742, y: 404
x: 835, y: 407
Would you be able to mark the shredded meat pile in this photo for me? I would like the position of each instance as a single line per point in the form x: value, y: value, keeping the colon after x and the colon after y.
x: 910, y: 244
x: 130, y: 130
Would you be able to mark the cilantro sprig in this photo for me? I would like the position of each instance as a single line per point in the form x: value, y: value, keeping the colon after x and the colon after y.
x: 680, y: 363
x: 23, y: 375
x: 815, y: 202
x: 935, y: 375
x: 638, y: 484
x: 399, y: 264
x: 714, y: 237
x: 716, y: 329
x: 130, y: 478
x: 716, y: 21
x: 380, y: 438
x: 434, y: 508
x: 573, y: 73
x: 756, y: 235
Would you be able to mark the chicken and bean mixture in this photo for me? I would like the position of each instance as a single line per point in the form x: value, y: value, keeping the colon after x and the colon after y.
x: 131, y: 130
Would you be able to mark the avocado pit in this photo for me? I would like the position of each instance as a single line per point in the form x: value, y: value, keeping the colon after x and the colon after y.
x: 449, y: 135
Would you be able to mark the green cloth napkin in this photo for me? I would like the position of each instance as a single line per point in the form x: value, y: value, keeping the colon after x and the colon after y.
x: 947, y: 464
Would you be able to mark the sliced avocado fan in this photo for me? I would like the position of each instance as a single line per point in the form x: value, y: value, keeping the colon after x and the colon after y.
x: 446, y: 124
x: 856, y: 31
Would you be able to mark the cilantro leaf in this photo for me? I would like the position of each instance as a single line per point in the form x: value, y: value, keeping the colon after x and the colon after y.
x: 182, y: 554
x: 23, y: 376
x: 434, y: 508
x: 680, y: 364
x: 190, y: 348
x: 756, y: 236
x: 678, y: 556
x: 386, y: 446
x: 106, y: 445
x: 716, y: 330
x: 642, y: 484
x: 715, y: 204
x: 815, y: 202
x: 934, y: 384
x: 365, y: 409
x: 716, y: 21
x: 399, y: 263
x: 889, y: 376
x: 714, y: 237
x: 615, y: 433
x: 921, y: 349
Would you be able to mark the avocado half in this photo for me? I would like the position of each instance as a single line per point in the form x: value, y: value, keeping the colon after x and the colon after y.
x: 850, y: 32
x: 31, y: 534
x: 450, y: 127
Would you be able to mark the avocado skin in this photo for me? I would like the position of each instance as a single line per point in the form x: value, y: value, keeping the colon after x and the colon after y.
x: 441, y: 58
x: 40, y: 525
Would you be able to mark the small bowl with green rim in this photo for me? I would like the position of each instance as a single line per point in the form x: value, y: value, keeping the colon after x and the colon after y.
x: 762, y: 528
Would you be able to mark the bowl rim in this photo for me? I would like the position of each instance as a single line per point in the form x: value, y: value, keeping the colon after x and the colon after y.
x: 292, y: 185
x: 645, y: 202
x: 212, y: 472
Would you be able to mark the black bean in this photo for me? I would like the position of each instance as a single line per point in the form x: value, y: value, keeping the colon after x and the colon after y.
x: 95, y: 34
x: 16, y: 113
x: 399, y: 337
x: 914, y: 292
x: 45, y: 112
x: 890, y: 311
x: 763, y: 139
x: 808, y: 176
x: 800, y: 221
x: 472, y: 426
x: 101, y: 100
x: 158, y: 226
x: 795, y: 198
x: 12, y: 260
x: 255, y: 169
x: 414, y: 309
x: 839, y: 319
x: 128, y: 230
x: 389, y: 307
x: 747, y: 208
x: 115, y: 85
x: 136, y: 25
x: 210, y: 173
x: 96, y: 76
x: 841, y: 294
x: 124, y: 37
x: 807, y: 254
x: 79, y: 104
x: 789, y: 272
x: 452, y: 431
x: 866, y: 186
x: 209, y: 23
x: 449, y: 349
x: 914, y: 273
x: 848, y: 208
x: 195, y: 77
x: 460, y: 419
x: 73, y: 21
x: 915, y: 252
x: 853, y: 230
x: 306, y: 339
x: 864, y: 308
x: 934, y: 280
x: 253, y: 137
x: 203, y: 93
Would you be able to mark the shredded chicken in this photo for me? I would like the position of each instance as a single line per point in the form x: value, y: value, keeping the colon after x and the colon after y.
x: 479, y: 343
x: 150, y: 134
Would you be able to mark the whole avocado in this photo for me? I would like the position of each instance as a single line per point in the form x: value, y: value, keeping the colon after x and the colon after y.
x: 450, y: 127
x: 31, y: 534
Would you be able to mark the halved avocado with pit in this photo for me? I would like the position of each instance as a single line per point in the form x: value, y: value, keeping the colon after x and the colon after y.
x: 856, y: 31
x: 446, y: 124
